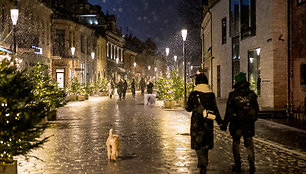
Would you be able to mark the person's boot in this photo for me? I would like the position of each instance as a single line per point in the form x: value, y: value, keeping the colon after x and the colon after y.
x: 203, y: 170
x: 252, y: 166
x: 237, y: 166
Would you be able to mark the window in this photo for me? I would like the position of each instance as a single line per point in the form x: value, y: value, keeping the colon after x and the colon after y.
x: 107, y: 49
x: 243, y: 18
x: 224, y: 30
x: 82, y: 44
x: 235, y: 58
x: 248, y: 17
x: 303, y: 74
x: 254, y: 70
x: 234, y: 17
x: 59, y: 45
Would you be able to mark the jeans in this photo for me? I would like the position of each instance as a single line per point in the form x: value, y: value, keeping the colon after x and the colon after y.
x: 249, y: 145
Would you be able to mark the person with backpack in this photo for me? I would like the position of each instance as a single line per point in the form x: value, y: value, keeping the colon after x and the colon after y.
x: 202, y: 129
x: 241, y: 112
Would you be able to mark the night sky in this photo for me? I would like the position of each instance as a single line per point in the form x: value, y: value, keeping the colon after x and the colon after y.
x: 157, y: 19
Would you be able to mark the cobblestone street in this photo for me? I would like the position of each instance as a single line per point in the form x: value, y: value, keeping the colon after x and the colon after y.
x: 153, y: 140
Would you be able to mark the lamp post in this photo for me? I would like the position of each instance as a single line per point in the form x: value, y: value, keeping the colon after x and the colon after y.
x: 92, y: 57
x: 135, y: 68
x: 72, y: 53
x: 184, y: 36
x: 14, y: 17
x: 175, y: 58
x: 167, y: 51
x: 155, y: 69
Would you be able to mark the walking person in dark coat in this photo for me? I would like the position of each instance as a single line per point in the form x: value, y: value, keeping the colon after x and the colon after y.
x: 120, y: 88
x: 150, y: 88
x: 124, y: 88
x: 142, y: 85
x: 201, y: 129
x: 133, y: 88
x: 241, y: 111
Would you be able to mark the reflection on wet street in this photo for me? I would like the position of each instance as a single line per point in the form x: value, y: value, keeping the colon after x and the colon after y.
x: 153, y: 140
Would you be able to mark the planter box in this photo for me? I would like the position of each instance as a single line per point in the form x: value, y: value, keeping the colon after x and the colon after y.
x: 103, y: 93
x: 52, y: 116
x: 72, y: 97
x: 10, y: 168
x: 81, y: 98
x: 169, y: 104
x: 180, y: 103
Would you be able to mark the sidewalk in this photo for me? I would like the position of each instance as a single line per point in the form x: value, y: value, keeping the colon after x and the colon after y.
x: 298, y: 124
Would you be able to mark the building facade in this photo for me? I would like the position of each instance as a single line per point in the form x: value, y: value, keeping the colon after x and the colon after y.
x: 247, y: 36
x: 32, y: 31
x: 298, y: 56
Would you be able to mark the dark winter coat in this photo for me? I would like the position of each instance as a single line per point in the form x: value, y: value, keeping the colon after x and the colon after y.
x: 133, y: 87
x: 124, y: 86
x: 150, y: 88
x: 142, y: 84
x: 241, y: 110
x: 202, y: 129
x: 120, y: 87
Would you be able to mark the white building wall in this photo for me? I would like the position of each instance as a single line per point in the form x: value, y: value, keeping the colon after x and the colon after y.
x: 270, y: 23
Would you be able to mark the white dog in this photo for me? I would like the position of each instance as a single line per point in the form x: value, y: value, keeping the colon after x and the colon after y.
x: 113, y: 146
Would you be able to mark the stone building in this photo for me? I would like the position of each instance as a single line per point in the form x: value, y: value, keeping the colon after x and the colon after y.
x: 298, y: 56
x: 247, y: 36
x: 32, y: 31
x: 68, y: 32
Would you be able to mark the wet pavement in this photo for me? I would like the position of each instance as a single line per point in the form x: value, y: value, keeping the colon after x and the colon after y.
x: 153, y: 140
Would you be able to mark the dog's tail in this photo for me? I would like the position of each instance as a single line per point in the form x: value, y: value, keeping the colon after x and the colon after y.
x: 111, y: 132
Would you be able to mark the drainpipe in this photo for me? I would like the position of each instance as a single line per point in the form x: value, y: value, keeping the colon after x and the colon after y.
x: 289, y: 61
x: 211, y: 50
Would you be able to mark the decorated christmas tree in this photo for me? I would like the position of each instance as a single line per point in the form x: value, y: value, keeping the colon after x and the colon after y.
x: 20, y: 113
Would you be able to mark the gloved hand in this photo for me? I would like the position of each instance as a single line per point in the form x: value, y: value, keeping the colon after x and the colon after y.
x: 223, y: 127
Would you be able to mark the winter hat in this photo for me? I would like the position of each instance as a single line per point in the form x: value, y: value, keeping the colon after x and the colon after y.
x: 241, y: 77
x: 201, y: 79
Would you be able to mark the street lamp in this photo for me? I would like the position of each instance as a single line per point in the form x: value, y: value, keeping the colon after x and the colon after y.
x: 93, y: 57
x: 184, y: 36
x: 135, y: 67
x: 72, y: 53
x: 14, y: 17
x: 175, y: 58
x: 167, y: 51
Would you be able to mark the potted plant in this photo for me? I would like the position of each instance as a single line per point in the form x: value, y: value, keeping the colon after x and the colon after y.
x: 46, y: 90
x: 72, y: 88
x: 102, y: 87
x: 20, y: 116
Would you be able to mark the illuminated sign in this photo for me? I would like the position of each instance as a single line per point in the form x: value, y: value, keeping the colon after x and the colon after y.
x: 38, y: 50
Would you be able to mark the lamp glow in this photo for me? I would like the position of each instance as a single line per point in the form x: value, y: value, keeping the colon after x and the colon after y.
x: 93, y: 55
x: 149, y: 67
x: 167, y: 51
x: 184, y: 34
x: 72, y: 50
x: 14, y: 16
x: 175, y: 58
x: 258, y: 51
x: 134, y: 64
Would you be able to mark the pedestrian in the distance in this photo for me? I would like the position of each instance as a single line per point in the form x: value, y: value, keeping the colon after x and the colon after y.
x: 202, y: 129
x: 110, y: 87
x: 150, y: 88
x: 120, y: 88
x: 142, y: 85
x: 124, y: 88
x: 133, y: 88
x: 241, y: 111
